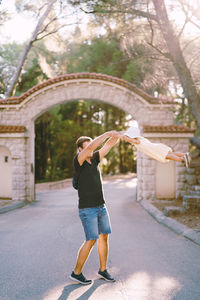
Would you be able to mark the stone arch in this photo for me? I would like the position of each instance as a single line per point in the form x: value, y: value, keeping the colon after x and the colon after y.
x: 71, y: 87
x: 21, y: 112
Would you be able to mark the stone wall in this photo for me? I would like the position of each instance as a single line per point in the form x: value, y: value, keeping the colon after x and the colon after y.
x: 146, y: 166
x: 17, y: 145
x: 192, y: 176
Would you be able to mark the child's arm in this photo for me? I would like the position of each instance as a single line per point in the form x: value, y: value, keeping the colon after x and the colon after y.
x: 128, y: 139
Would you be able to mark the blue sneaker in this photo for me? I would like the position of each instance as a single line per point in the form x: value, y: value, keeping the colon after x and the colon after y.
x: 80, y: 278
x: 105, y: 275
x: 188, y: 157
x: 186, y: 161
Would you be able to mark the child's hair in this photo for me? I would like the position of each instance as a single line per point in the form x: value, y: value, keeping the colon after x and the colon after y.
x: 83, y: 139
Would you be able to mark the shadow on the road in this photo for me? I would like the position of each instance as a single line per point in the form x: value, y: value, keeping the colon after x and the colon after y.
x: 68, y: 289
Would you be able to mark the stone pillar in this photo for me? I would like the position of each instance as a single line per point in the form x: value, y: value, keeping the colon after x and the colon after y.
x: 146, y: 177
x: 146, y: 166
x: 16, y: 143
x: 30, y: 167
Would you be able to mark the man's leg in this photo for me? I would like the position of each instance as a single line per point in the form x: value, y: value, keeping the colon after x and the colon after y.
x: 105, y: 230
x: 103, y: 250
x: 83, y: 254
x: 89, y: 221
x: 103, y: 256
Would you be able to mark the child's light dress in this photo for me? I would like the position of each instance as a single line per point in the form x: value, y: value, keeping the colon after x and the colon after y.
x: 157, y: 151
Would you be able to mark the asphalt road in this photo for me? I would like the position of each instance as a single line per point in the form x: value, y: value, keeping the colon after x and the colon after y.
x: 39, y: 243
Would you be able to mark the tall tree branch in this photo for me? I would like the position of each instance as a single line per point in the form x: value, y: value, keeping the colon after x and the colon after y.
x: 188, y: 43
x: 167, y: 55
x: 186, y: 12
x: 178, y: 60
x: 183, y: 27
x: 54, y: 31
x: 131, y: 11
x: 27, y: 48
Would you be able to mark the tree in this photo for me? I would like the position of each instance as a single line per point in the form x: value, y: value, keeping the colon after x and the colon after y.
x: 42, y: 128
x: 9, y: 54
x: 27, y: 48
x: 106, y: 55
x: 51, y: 18
x: 176, y: 56
x: 157, y: 17
x: 3, y: 15
x: 31, y: 76
x: 58, y: 129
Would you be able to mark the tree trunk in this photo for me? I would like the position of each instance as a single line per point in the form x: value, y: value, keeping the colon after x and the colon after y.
x: 27, y: 48
x: 178, y: 61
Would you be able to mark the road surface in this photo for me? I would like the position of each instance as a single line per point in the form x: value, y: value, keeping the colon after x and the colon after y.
x: 39, y: 243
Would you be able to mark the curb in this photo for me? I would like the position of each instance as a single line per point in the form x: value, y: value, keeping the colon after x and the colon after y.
x: 191, y: 234
x: 13, y: 206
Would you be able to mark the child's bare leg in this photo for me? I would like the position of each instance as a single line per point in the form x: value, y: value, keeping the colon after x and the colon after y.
x: 174, y: 156
x: 181, y: 154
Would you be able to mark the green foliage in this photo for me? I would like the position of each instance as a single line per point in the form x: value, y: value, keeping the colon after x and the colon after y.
x: 94, y: 4
x: 58, y: 130
x: 3, y: 15
x: 31, y: 76
x: 104, y: 55
x: 32, y: 73
x: 9, y: 56
x: 183, y: 115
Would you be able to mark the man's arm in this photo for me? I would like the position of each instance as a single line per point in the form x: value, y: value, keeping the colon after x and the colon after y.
x: 112, y: 141
x: 95, y: 144
x: 107, y: 146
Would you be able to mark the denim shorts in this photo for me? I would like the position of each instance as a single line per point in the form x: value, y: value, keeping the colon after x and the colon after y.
x: 95, y: 221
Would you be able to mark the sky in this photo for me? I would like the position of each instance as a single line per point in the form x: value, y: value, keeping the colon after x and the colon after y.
x: 20, y: 26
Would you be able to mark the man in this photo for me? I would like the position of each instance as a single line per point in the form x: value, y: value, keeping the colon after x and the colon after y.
x: 92, y: 209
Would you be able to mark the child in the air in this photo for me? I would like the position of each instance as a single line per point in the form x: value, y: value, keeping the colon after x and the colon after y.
x: 158, y: 151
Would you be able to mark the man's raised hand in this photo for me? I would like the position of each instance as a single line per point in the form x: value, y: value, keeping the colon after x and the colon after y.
x: 114, y: 133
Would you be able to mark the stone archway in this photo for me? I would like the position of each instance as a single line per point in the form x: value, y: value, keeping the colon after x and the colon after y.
x: 21, y: 112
